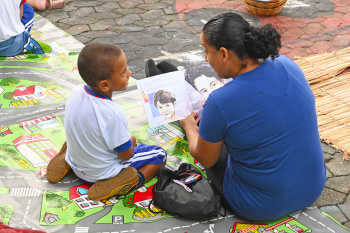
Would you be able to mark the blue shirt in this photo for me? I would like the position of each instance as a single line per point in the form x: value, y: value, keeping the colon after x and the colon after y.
x: 268, y: 122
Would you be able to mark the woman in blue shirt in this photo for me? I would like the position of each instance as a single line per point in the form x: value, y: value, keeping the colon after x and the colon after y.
x: 265, y: 118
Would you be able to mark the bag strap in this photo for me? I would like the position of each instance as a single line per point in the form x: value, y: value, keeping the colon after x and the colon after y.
x: 150, y: 209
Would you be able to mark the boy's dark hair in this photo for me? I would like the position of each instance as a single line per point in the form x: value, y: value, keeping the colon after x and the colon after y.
x: 192, y: 74
x: 95, y: 62
x: 163, y: 97
x: 233, y: 32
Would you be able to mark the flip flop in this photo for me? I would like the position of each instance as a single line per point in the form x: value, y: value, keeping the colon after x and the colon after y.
x: 56, y: 4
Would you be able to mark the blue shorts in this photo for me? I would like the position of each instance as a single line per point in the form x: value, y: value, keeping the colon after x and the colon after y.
x: 143, y: 155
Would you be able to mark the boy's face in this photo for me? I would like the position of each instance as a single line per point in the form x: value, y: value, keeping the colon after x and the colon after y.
x: 120, y: 78
x: 167, y: 110
x: 206, y: 85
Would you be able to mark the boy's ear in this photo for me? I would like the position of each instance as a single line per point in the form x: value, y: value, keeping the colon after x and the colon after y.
x: 175, y: 103
x: 103, y: 85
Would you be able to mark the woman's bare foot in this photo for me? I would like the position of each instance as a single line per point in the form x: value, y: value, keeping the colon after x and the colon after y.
x: 39, y: 5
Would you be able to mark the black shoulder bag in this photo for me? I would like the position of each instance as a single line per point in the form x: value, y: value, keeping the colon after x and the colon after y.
x: 203, y: 202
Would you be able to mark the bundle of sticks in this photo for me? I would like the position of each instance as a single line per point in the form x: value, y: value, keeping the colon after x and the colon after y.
x: 331, y: 88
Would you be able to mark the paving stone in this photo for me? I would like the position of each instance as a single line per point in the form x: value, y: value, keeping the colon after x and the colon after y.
x: 152, y: 14
x: 328, y: 149
x: 170, y: 10
x: 149, y: 7
x: 327, y: 157
x: 335, y: 212
x: 105, y: 40
x: 107, y: 7
x: 129, y: 47
x: 124, y: 11
x: 328, y: 174
x: 102, y: 25
x: 96, y: 34
x: 345, y: 208
x: 313, y: 28
x: 133, y: 28
x: 116, y: 29
x: 149, y: 52
x: 104, y: 15
x: 339, y: 183
x: 82, y: 39
x: 82, y: 12
x: 337, y: 166
x: 82, y: 3
x: 78, y: 29
x: 330, y: 197
x: 81, y: 20
x: 62, y: 26
x: 325, y: 7
x: 56, y: 16
x: 174, y: 45
x: 129, y: 3
x: 341, y: 41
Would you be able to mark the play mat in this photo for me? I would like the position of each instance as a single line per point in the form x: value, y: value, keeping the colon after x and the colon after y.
x: 33, y: 92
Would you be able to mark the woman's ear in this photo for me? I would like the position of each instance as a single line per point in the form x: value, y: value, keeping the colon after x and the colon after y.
x: 224, y: 53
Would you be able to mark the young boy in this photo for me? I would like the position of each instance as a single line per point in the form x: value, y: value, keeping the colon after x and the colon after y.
x: 165, y: 102
x: 16, y: 21
x: 100, y: 149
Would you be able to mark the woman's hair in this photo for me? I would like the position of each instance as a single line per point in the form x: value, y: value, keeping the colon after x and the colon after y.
x: 95, y: 62
x: 191, y: 74
x: 233, y: 32
x: 163, y: 97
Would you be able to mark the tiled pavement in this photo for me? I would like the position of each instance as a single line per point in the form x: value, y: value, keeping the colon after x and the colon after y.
x: 168, y: 29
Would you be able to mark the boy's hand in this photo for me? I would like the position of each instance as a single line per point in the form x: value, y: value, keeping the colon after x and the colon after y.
x: 191, y: 122
x: 134, y: 141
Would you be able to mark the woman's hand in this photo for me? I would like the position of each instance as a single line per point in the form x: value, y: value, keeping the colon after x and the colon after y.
x: 191, y: 122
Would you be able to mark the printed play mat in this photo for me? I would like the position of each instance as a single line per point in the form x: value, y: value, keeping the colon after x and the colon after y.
x: 33, y: 92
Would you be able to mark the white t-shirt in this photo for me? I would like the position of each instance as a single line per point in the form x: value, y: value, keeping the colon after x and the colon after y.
x: 10, y: 22
x: 94, y: 126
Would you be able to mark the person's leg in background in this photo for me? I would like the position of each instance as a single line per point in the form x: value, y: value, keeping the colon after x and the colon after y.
x: 39, y: 5
x: 28, y: 17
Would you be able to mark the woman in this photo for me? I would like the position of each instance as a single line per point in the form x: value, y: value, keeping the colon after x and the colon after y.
x: 266, y: 119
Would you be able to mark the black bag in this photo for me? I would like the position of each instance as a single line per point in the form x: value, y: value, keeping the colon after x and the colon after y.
x: 202, y: 203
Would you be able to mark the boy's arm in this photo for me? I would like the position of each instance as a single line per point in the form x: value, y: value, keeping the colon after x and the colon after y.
x: 21, y: 12
x: 127, y: 154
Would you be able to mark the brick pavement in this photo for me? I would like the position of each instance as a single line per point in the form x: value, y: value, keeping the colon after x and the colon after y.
x: 168, y: 29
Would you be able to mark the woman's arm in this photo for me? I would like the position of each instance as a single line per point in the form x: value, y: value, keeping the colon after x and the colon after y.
x: 205, y: 152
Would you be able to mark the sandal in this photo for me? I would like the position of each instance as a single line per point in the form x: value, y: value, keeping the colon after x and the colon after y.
x: 56, y: 4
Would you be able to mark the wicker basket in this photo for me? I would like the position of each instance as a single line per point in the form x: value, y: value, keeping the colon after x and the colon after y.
x: 271, y: 8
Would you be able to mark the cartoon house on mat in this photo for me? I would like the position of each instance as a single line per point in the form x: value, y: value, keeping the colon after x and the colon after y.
x: 79, y: 194
x: 37, y: 149
x: 143, y: 196
x: 44, y: 122
x: 33, y: 92
x: 50, y: 218
x: 165, y: 134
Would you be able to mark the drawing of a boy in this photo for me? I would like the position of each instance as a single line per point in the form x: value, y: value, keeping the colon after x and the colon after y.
x: 165, y: 102
x: 203, y: 79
